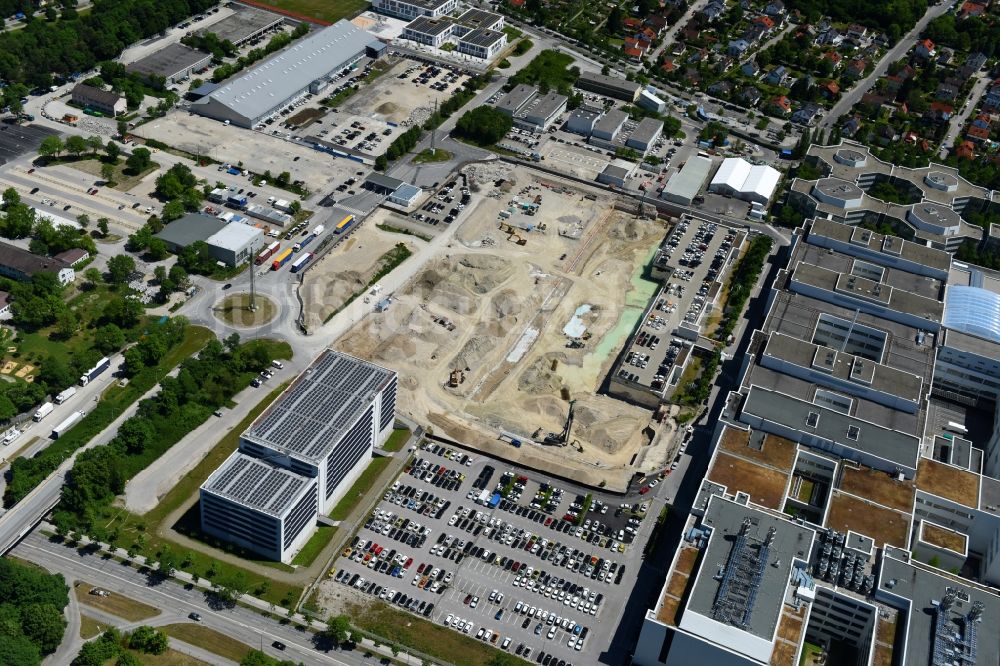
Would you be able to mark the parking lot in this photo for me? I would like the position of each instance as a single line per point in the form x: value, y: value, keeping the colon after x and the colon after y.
x: 699, y: 253
x: 446, y: 204
x: 17, y: 140
x: 501, y: 555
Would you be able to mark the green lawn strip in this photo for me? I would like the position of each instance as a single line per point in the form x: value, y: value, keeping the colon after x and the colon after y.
x: 397, y: 439
x: 428, y: 156
x: 400, y: 230
x: 324, y: 10
x: 114, y: 401
x: 317, y: 542
x: 359, y: 489
x: 208, y: 639
x: 417, y: 634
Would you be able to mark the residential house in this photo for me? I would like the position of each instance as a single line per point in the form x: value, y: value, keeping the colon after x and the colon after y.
x: 765, y: 22
x: 944, y: 56
x: 720, y: 88
x: 738, y: 47
x: 946, y: 92
x: 750, y: 95
x: 971, y: 9
x: 966, y: 150
x: 713, y: 10
x: 780, y: 105
x: 972, y: 65
x: 855, y: 69
x: 977, y: 134
x: 851, y: 126
x: 925, y: 49
x: 829, y: 90
x: 723, y: 64
x: 632, y: 53
x: 806, y: 115
x: 692, y: 76
x: 831, y: 37
x: 754, y: 33
x: 656, y: 22
x: 668, y: 66
x: 886, y: 134
x: 775, y: 8
x: 750, y: 68
x: 776, y: 76
x: 940, y: 112
x: 632, y: 24
x: 856, y: 33
x: 991, y: 99
x: 835, y: 58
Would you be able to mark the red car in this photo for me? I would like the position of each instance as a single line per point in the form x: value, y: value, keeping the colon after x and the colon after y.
x: 644, y: 490
x: 31, y: 170
x: 548, y: 521
x: 409, y: 561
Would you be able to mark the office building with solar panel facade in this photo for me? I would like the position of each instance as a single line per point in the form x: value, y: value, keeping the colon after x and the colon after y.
x: 300, y: 456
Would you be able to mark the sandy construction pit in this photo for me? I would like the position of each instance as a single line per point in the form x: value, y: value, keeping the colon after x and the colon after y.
x: 494, y: 338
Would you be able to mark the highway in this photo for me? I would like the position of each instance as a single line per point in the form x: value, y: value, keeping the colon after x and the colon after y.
x: 906, y: 42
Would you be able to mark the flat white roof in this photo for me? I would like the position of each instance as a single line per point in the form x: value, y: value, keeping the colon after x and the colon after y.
x: 234, y: 236
x: 686, y: 182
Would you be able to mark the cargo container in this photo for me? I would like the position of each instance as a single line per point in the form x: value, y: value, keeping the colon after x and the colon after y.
x: 308, y: 239
x: 344, y: 224
x: 301, y: 262
x: 65, y: 395
x: 64, y: 427
x: 281, y: 259
x: 267, y: 253
x: 89, y: 376
x: 44, y: 411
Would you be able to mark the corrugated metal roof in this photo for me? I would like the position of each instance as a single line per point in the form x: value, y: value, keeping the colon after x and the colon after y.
x: 234, y: 236
x: 258, y: 91
x: 686, y: 182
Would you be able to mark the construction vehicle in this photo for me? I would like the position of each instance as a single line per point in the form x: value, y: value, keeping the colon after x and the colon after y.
x: 456, y: 378
x: 562, y: 437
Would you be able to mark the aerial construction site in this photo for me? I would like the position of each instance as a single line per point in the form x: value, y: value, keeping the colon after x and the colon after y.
x: 503, y: 342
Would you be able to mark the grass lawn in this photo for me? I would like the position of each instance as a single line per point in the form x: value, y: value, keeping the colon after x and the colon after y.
x: 168, y: 658
x: 428, y: 156
x: 207, y: 639
x: 122, y: 181
x: 200, y: 563
x: 397, y: 439
x: 433, y: 639
x: 325, y: 10
x: 235, y: 310
x: 317, y: 542
x: 399, y: 230
x: 89, y: 627
x: 360, y: 488
x: 116, y: 604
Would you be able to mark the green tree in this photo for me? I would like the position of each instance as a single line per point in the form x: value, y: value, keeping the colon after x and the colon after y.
x: 128, y: 659
x: 107, y: 173
x: 124, y: 311
x: 19, y: 650
x: 11, y: 197
x: 95, y: 143
x: 157, y: 249
x: 338, y: 628
x: 140, y: 160
x: 76, y: 145
x: 232, y: 587
x: 102, y: 226
x: 44, y: 625
x: 149, y: 640
x: 109, y: 338
x: 483, y: 125
x: 122, y: 128
x: 120, y: 267
x: 51, y: 146
x: 614, y: 24
x: 112, y: 150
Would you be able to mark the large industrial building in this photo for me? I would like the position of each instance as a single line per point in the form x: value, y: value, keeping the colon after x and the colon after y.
x: 300, y: 456
x: 530, y: 110
x: 609, y: 86
x: 938, y: 197
x: 243, y: 25
x: 232, y: 244
x: 684, y: 185
x: 264, y: 90
x: 170, y: 64
x: 850, y: 513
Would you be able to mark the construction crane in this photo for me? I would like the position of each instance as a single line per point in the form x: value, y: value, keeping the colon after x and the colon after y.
x: 562, y: 437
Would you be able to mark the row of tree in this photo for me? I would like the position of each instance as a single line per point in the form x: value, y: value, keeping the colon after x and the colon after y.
x: 201, y: 386
x: 276, y: 43
x: 113, y: 644
x: 40, y: 50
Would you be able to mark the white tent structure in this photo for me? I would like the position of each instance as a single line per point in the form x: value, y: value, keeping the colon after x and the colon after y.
x: 751, y: 182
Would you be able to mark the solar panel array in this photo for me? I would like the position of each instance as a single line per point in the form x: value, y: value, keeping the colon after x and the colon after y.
x: 256, y: 484
x: 316, y: 411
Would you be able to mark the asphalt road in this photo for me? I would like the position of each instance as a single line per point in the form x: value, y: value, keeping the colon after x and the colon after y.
x: 957, y: 122
x: 240, y: 623
x: 906, y: 42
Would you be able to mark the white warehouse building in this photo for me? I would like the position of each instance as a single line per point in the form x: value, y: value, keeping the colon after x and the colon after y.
x: 751, y: 182
x: 264, y: 90
x: 300, y: 456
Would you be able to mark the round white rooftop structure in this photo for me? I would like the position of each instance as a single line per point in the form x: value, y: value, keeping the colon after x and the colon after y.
x: 934, y: 218
x: 973, y: 310
x: 838, y: 192
x: 940, y: 180
x: 852, y: 158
